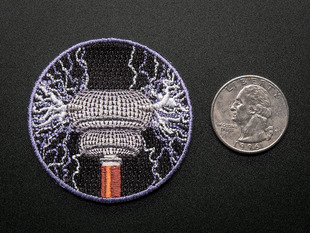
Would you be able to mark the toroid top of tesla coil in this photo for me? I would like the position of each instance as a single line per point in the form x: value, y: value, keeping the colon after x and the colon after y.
x: 93, y: 109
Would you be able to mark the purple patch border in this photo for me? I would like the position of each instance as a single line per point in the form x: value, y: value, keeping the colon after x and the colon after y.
x: 91, y: 197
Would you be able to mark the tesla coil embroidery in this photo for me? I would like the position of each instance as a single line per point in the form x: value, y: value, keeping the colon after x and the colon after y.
x: 110, y: 119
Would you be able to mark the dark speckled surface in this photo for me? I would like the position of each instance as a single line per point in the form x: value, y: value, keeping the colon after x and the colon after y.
x: 209, y: 43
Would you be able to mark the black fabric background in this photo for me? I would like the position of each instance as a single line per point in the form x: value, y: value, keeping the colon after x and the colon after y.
x: 209, y: 42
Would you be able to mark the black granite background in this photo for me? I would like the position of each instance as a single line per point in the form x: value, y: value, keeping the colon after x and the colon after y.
x: 209, y: 43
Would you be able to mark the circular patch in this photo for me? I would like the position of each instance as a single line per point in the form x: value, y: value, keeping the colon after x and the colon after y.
x: 110, y: 120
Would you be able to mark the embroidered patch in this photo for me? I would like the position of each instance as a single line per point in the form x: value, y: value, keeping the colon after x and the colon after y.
x: 110, y: 120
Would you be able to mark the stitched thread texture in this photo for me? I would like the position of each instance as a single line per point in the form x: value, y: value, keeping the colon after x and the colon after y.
x: 110, y: 119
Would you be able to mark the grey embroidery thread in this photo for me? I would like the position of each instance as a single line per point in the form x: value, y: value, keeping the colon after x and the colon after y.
x: 110, y: 120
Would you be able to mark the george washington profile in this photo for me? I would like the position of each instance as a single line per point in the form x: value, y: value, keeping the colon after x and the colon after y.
x: 251, y: 112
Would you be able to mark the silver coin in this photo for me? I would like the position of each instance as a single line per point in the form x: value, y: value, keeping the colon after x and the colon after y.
x: 249, y: 114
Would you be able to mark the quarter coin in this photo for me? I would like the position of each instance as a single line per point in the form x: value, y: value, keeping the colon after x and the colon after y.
x: 249, y: 114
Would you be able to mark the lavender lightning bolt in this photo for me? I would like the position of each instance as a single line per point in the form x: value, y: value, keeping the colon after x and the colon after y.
x: 110, y: 120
